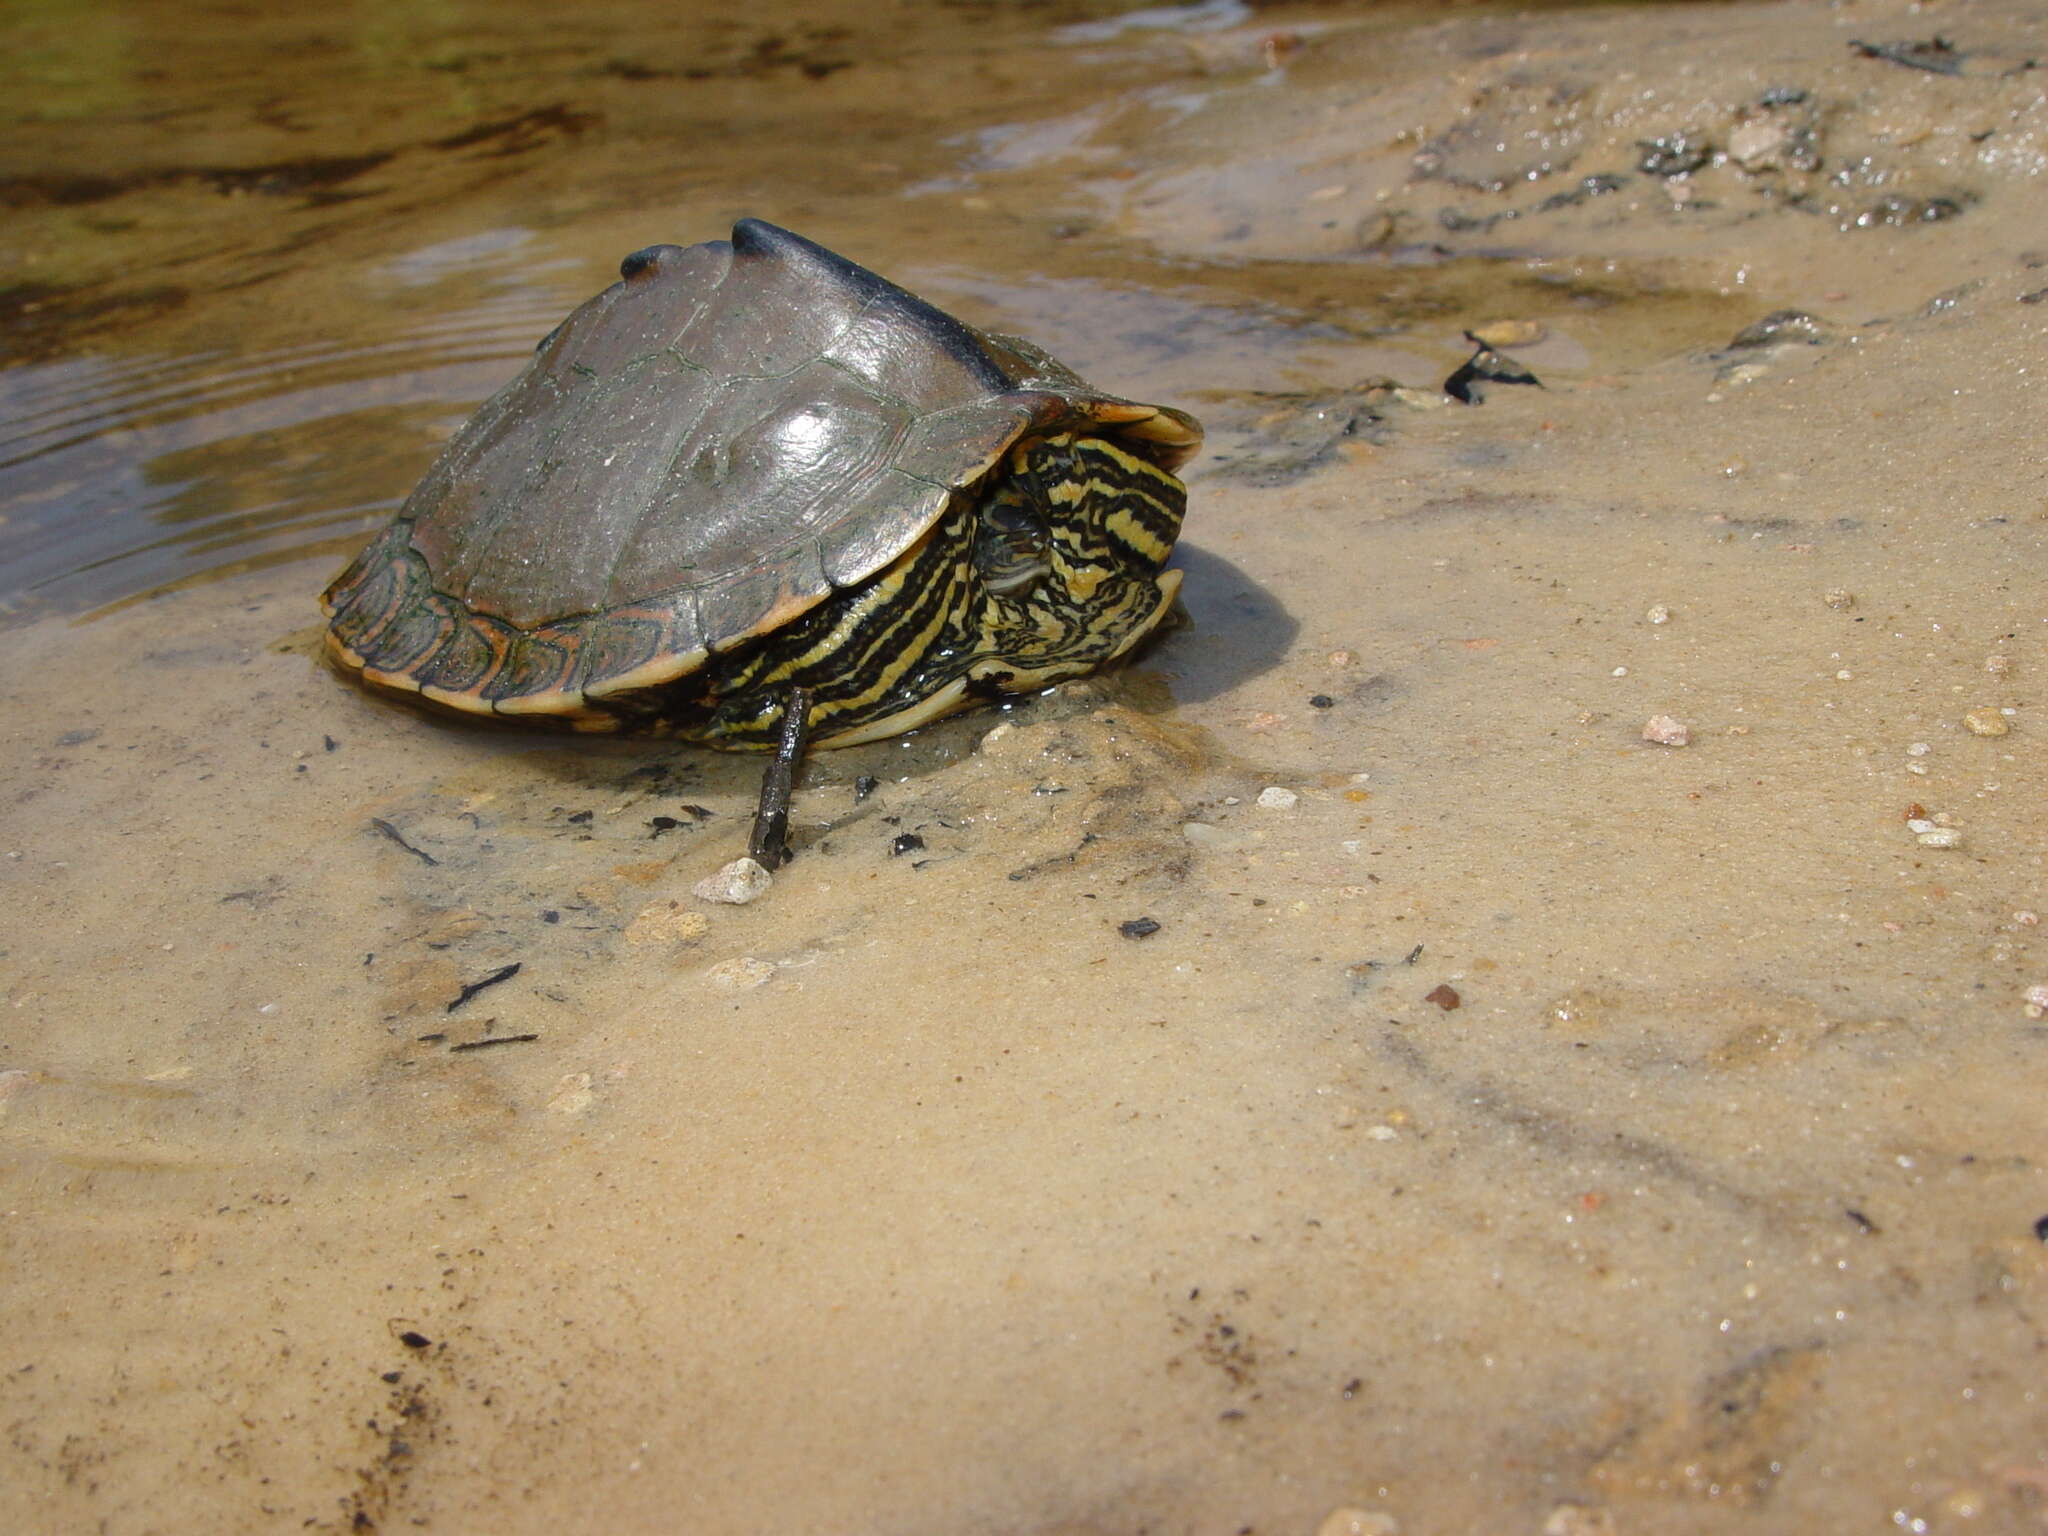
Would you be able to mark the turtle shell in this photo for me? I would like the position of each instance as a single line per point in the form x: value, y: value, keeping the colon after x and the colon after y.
x: 695, y: 457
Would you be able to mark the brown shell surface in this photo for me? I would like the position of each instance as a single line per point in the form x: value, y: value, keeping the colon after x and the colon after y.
x: 699, y: 454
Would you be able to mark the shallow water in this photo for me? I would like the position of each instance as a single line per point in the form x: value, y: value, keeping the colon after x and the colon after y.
x: 1527, y: 1127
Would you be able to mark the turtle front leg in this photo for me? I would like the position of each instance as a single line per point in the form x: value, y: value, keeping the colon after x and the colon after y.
x: 769, y: 846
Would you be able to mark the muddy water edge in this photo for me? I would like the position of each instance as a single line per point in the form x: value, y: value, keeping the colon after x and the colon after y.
x: 1527, y: 1016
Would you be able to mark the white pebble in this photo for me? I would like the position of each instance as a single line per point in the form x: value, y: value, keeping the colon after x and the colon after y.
x: 1940, y: 837
x: 1659, y: 614
x: 2038, y: 996
x: 572, y: 1095
x: 1578, y: 1520
x: 1666, y: 732
x: 1619, y: 672
x: 737, y: 884
x: 740, y: 974
x: 1358, y: 1522
x: 1919, y: 749
x: 1274, y: 798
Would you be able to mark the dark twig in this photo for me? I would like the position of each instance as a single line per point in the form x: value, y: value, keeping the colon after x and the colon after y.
x: 398, y: 837
x: 470, y: 989
x: 479, y: 1045
x: 769, y: 846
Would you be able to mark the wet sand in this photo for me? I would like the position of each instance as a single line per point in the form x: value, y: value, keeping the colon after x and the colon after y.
x: 1516, y: 1125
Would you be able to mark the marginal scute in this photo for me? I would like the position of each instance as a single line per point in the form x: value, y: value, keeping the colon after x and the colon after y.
x: 869, y: 531
x: 957, y: 446
x: 764, y: 596
x: 466, y: 658
x: 533, y: 664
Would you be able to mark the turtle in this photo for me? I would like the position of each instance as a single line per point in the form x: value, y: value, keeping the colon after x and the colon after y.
x: 753, y: 495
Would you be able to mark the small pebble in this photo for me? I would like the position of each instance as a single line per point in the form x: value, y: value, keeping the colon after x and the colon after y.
x: 1382, y: 1133
x: 1510, y: 333
x: 1619, y: 672
x: 572, y: 1094
x: 1998, y: 664
x: 1274, y: 798
x: 1578, y: 1520
x: 1756, y: 146
x: 737, y: 884
x: 1138, y: 928
x: 1321, y: 701
x: 1358, y: 1522
x: 1919, y: 749
x: 1666, y: 732
x: 2038, y: 996
x: 2026, y: 918
x: 905, y: 842
x: 1985, y: 722
x: 669, y: 922
x: 1340, y: 658
x: 1844, y: 675
x: 1659, y: 615
x: 1838, y: 599
x: 1445, y: 996
x: 742, y: 973
x: 1940, y: 837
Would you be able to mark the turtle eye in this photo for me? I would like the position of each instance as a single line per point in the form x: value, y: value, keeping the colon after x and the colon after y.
x: 1010, y: 548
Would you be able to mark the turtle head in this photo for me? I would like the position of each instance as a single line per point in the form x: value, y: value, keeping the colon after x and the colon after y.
x: 1069, y: 550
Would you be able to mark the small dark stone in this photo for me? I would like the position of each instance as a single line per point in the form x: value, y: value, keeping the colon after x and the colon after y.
x: 662, y: 824
x: 1138, y: 928
x: 2041, y: 1228
x: 1444, y: 995
x: 1782, y: 325
x: 1321, y: 701
x: 906, y: 842
x: 1782, y: 96
x: 1676, y: 154
x: 1485, y: 364
x: 392, y: 1377
x: 580, y: 818
x: 550, y: 916
x: 864, y: 786
x: 412, y: 1340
